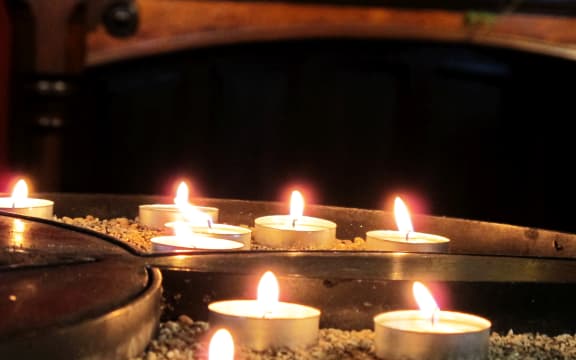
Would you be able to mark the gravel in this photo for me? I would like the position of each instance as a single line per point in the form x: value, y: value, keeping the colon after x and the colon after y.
x: 185, y: 339
x: 138, y: 236
x: 127, y: 230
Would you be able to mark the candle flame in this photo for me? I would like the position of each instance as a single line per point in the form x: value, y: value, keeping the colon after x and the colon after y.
x: 296, y: 206
x: 402, y: 216
x: 268, y: 292
x: 182, y: 230
x: 182, y: 194
x: 189, y: 212
x: 221, y: 346
x: 20, y: 192
x: 426, y: 302
x: 195, y: 217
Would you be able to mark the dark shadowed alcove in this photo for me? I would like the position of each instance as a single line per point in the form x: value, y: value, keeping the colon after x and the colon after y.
x: 459, y: 130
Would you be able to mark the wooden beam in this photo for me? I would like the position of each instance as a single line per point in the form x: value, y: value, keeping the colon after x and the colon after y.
x: 172, y: 25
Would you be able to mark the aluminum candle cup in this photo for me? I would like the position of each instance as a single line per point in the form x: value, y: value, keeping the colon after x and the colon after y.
x: 40, y: 208
x: 288, y: 325
x: 178, y: 244
x: 157, y: 215
x: 222, y: 231
x: 276, y: 231
x: 391, y: 240
x: 406, y: 335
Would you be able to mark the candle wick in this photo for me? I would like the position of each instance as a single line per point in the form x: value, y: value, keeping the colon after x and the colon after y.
x: 210, y: 224
x: 294, y: 222
x: 408, y: 235
x: 266, y: 314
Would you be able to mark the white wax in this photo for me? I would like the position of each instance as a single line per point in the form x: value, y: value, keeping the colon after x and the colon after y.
x: 175, y: 243
x: 288, y: 325
x: 299, y: 227
x: 392, y: 240
x: 222, y: 231
x: 41, y: 208
x: 216, y: 229
x: 252, y: 309
x: 307, y: 232
x: 447, y: 322
x: 157, y: 215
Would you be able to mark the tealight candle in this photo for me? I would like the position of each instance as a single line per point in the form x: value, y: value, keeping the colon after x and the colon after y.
x: 221, y: 231
x: 294, y: 230
x: 405, y: 239
x: 430, y: 333
x: 185, y: 240
x: 157, y: 215
x: 20, y: 203
x: 266, y: 322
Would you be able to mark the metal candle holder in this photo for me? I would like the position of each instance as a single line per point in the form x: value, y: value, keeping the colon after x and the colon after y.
x: 526, y: 273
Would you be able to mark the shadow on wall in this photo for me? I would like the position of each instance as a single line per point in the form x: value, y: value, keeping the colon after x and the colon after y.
x: 462, y: 131
x: 4, y: 72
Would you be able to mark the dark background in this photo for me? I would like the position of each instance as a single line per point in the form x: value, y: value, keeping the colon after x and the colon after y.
x: 456, y: 130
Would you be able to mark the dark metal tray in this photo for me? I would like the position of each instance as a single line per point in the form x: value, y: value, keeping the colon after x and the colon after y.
x: 519, y: 278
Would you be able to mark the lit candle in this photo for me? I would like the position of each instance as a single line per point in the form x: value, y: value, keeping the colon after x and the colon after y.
x: 20, y: 203
x: 157, y: 215
x: 201, y: 224
x: 221, y: 346
x: 220, y: 231
x: 185, y: 240
x: 405, y: 239
x: 430, y: 333
x: 294, y: 230
x: 266, y: 322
